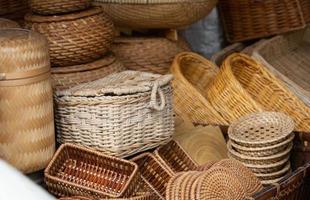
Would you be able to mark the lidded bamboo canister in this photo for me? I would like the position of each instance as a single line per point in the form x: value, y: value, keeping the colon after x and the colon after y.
x: 27, y: 137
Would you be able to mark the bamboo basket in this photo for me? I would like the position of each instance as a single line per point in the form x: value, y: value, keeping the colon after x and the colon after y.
x: 161, y: 14
x: 74, y: 38
x: 26, y: 103
x: 148, y: 54
x: 6, y: 23
x: 127, y: 113
x: 67, y: 77
x: 246, y: 20
x: 244, y: 86
x: 52, y: 7
x: 287, y: 57
x: 192, y: 76
x: 68, y: 174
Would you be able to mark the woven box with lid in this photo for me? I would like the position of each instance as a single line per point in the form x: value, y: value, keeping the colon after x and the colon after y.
x: 121, y: 114
x: 27, y: 139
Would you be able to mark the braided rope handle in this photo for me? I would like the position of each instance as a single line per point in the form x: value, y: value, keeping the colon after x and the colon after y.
x: 153, y: 103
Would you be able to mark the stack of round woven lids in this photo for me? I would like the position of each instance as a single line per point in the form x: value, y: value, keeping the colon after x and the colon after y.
x: 263, y: 142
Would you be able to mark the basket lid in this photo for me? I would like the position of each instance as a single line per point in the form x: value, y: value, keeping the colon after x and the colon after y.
x: 23, y: 54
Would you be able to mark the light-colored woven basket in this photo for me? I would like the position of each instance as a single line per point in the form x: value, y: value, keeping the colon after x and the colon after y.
x: 74, y: 38
x: 246, y: 20
x: 193, y: 74
x: 26, y: 103
x: 6, y: 23
x: 148, y: 54
x: 156, y: 14
x: 275, y: 175
x: 287, y: 57
x: 51, y: 7
x: 244, y: 86
x: 121, y: 114
x: 67, y: 77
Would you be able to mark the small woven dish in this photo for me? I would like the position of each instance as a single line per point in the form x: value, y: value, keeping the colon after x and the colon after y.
x: 6, y: 23
x: 261, y: 129
x: 274, y: 175
x: 74, y: 38
x: 51, y: 7
x: 271, y: 182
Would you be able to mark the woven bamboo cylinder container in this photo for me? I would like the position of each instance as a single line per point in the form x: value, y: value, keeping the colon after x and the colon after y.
x: 250, y: 19
x: 51, y: 7
x: 26, y: 103
x: 6, y: 23
x: 66, y: 77
x: 158, y: 14
x: 74, y: 38
x: 147, y: 54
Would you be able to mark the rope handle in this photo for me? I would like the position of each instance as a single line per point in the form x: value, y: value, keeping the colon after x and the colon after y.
x: 153, y: 103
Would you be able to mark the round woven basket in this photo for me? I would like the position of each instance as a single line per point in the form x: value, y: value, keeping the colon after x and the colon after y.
x: 75, y: 38
x: 50, y: 7
x: 6, y: 23
x: 26, y: 104
x: 66, y: 77
x: 156, y: 14
x: 148, y: 54
x: 274, y: 175
x: 265, y: 169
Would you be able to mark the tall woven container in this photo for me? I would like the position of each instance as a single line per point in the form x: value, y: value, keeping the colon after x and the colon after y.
x: 156, y: 13
x: 251, y: 19
x: 74, y: 38
x: 26, y: 103
x: 244, y: 86
x: 147, y: 54
x: 121, y: 114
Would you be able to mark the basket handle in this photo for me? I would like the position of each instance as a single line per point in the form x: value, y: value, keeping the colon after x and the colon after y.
x: 153, y: 103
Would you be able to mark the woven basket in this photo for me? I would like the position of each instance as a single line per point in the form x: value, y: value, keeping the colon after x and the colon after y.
x: 67, y: 77
x: 51, y: 7
x: 75, y: 38
x: 287, y: 58
x: 160, y: 13
x: 147, y: 54
x: 305, y: 6
x: 26, y: 104
x: 245, y: 20
x: 127, y: 113
x: 68, y: 174
x: 275, y: 175
x: 244, y: 86
x: 193, y: 74
x: 12, y: 6
x: 142, y: 196
x: 6, y: 23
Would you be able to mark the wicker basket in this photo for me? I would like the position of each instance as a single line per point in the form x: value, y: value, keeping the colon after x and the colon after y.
x: 305, y: 6
x: 193, y: 74
x: 244, y: 86
x: 175, y: 158
x: 75, y: 170
x: 75, y: 38
x: 141, y: 196
x: 6, y: 23
x: 67, y: 77
x: 147, y: 54
x: 121, y: 114
x: 287, y: 58
x: 26, y: 104
x: 51, y: 7
x: 156, y: 14
x: 12, y: 6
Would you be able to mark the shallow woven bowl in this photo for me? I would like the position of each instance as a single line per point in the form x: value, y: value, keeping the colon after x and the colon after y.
x: 75, y: 38
x: 156, y: 14
x: 274, y: 175
x: 50, y: 7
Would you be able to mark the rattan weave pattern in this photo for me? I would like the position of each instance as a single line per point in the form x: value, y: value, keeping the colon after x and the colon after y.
x: 12, y: 6
x: 305, y: 6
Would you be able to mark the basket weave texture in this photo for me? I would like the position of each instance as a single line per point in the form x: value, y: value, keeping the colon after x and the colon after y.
x: 6, y: 23
x: 74, y: 38
x: 26, y: 103
x: 245, y: 20
x: 51, y: 7
x: 67, y: 77
x: 305, y: 6
x: 174, y: 14
x: 244, y: 86
x: 147, y: 54
x: 127, y: 113
x: 69, y: 174
x: 12, y: 6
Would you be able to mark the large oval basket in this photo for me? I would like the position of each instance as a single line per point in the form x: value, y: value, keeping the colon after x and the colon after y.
x: 156, y: 13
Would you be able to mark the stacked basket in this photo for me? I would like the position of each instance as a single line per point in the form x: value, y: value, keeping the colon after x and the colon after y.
x: 263, y: 141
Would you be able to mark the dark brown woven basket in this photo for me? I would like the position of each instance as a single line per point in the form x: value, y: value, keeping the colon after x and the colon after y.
x: 12, y: 6
x: 75, y: 38
x: 66, y: 77
x: 305, y: 6
x: 76, y: 170
x: 50, y: 7
x: 250, y: 19
x: 147, y: 54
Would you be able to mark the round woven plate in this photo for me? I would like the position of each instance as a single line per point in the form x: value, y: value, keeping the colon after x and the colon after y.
x: 189, y: 183
x: 206, y: 166
x: 275, y: 175
x: 261, y: 129
x: 171, y: 185
x: 273, y: 181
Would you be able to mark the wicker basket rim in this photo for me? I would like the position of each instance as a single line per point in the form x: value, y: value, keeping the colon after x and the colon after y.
x: 282, y: 171
x: 148, y: 2
x: 65, y: 17
x: 273, y: 181
x: 263, y: 166
x: 135, y: 40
